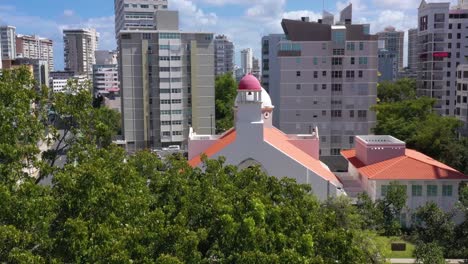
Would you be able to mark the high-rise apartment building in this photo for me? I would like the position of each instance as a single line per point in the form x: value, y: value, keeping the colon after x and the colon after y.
x: 394, y: 43
x: 413, y: 49
x: 442, y: 34
x: 256, y: 68
x: 246, y: 60
x: 167, y: 83
x: 137, y: 14
x: 324, y: 76
x: 270, y: 59
x: 8, y: 39
x: 105, y: 73
x: 79, y: 48
x: 462, y: 97
x: 224, y: 55
x: 34, y: 47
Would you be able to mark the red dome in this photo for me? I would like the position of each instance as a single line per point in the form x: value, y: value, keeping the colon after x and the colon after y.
x: 249, y: 83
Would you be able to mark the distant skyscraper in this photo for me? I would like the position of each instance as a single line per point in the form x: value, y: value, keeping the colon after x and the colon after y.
x: 246, y: 60
x: 167, y: 84
x: 34, y: 47
x: 79, y: 48
x: 8, y: 39
x: 256, y: 68
x: 323, y: 76
x: 106, y: 57
x: 413, y: 49
x: 137, y: 14
x: 393, y: 42
x: 224, y: 55
x: 105, y: 73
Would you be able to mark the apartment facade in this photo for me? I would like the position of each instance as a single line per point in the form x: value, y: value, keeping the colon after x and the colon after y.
x: 442, y: 33
x: 39, y: 69
x: 413, y: 49
x: 256, y: 68
x: 326, y: 78
x: 247, y: 60
x: 8, y: 40
x: 224, y: 55
x: 462, y: 97
x: 34, y: 47
x: 270, y: 60
x: 388, y: 65
x: 137, y: 14
x: 393, y: 42
x: 167, y: 84
x: 79, y: 48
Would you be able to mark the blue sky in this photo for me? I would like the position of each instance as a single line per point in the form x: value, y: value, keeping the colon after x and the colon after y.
x: 244, y: 21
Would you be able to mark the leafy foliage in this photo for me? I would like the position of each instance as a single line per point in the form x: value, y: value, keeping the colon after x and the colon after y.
x: 226, y: 92
x: 412, y: 120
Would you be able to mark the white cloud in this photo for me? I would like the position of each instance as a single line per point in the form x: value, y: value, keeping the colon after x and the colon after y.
x: 313, y: 16
x: 68, y: 12
x: 191, y: 15
x: 358, y: 5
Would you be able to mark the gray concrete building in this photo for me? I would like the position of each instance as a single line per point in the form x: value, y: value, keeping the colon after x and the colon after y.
x: 167, y: 84
x: 79, y: 47
x: 137, y: 14
x: 394, y: 42
x: 270, y: 59
x: 8, y: 40
x: 442, y: 34
x: 323, y: 75
x: 247, y: 60
x: 388, y: 65
x: 224, y: 55
x: 413, y: 49
x: 462, y: 97
x: 256, y: 68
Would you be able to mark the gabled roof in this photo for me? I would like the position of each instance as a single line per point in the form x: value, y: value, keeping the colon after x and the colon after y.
x: 226, y: 139
x: 278, y: 140
x: 412, y: 166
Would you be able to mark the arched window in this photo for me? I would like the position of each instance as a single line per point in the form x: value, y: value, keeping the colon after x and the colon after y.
x: 247, y: 163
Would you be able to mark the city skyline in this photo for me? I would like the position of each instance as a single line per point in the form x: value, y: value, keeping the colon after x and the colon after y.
x: 239, y: 19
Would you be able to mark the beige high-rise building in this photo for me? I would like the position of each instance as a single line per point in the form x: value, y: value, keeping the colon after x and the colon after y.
x: 79, y: 50
x: 8, y: 41
x: 247, y: 60
x: 137, y: 14
x: 34, y: 47
x: 167, y: 84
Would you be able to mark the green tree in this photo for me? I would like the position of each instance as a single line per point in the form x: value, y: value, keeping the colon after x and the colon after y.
x: 391, y: 206
x: 371, y: 214
x: 429, y: 253
x: 226, y: 92
x: 402, y: 89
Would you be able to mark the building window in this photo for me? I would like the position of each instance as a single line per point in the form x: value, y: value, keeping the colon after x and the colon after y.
x: 360, y: 74
x: 335, y: 152
x: 324, y: 113
x: 324, y: 73
x: 416, y: 190
x: 458, y: 35
x: 298, y: 74
x: 361, y: 45
x: 351, y: 113
x: 431, y: 190
x: 166, y: 133
x: 337, y: 74
x: 447, y: 190
x: 450, y: 26
x: 349, y: 74
x: 324, y: 86
x: 352, y: 60
x: 315, y: 74
x: 362, y: 60
x: 336, y: 87
x: 337, y: 61
x: 350, y: 46
x: 336, y: 113
x: 351, y: 140
x: 298, y: 113
x: 450, y: 35
x: 338, y: 52
x: 324, y: 46
x: 298, y: 86
x: 362, y: 113
x: 315, y: 87
x: 315, y: 61
x: 177, y: 133
x: 383, y: 190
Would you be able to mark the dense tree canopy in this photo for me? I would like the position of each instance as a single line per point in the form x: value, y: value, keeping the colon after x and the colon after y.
x: 106, y: 206
x: 226, y: 92
x: 413, y: 120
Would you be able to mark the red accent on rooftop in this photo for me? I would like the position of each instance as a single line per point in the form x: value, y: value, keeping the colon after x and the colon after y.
x: 249, y: 83
x: 412, y: 166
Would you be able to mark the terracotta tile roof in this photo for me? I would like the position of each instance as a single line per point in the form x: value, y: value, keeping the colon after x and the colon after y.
x: 412, y: 166
x: 226, y: 139
x: 279, y: 140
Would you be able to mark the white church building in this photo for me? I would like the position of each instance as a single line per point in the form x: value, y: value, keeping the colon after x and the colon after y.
x: 255, y: 141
